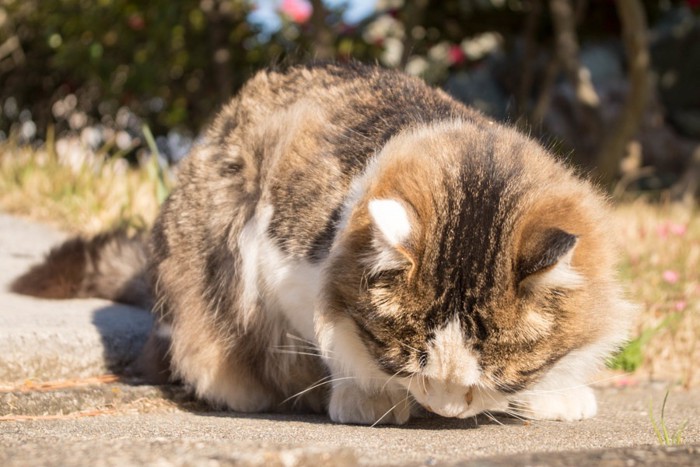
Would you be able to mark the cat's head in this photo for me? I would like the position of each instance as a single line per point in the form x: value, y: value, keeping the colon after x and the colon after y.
x: 469, y: 265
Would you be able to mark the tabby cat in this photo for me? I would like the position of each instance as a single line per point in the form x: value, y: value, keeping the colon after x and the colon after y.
x: 350, y: 240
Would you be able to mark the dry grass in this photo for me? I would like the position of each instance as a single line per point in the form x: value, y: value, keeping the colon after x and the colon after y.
x: 75, y: 189
x: 661, y: 264
x: 81, y: 192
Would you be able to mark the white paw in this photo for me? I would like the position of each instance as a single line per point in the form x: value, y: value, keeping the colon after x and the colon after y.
x: 566, y: 405
x: 350, y: 404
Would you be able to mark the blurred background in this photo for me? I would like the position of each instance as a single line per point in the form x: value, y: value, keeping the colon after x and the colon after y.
x: 613, y: 86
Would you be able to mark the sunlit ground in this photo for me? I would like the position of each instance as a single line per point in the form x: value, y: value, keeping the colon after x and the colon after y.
x: 81, y: 192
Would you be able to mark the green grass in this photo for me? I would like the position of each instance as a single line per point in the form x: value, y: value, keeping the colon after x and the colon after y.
x: 154, y: 170
x: 631, y: 357
x: 663, y: 434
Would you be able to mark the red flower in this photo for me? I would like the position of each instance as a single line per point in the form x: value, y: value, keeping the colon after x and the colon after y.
x: 455, y: 55
x: 136, y: 22
x: 298, y: 11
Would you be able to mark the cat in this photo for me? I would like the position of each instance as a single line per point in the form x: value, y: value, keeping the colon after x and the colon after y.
x: 349, y: 240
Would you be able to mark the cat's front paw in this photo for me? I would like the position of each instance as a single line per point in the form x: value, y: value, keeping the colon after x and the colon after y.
x: 566, y: 405
x: 351, y: 404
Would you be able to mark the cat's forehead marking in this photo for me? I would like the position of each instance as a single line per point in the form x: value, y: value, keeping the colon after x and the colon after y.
x: 450, y: 357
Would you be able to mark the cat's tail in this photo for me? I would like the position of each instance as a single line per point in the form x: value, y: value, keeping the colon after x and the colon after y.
x: 110, y: 265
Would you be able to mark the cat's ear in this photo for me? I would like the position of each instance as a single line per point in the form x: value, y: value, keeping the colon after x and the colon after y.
x: 545, y: 260
x: 391, y: 219
x: 392, y: 232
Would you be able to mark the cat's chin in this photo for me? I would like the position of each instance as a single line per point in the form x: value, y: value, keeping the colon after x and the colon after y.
x: 462, y: 404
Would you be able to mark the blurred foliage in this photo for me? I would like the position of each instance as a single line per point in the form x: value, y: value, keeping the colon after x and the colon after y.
x: 120, y: 64
x: 170, y: 63
x: 153, y: 57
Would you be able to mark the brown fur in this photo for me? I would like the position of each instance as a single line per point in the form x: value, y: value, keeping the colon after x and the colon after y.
x: 492, y: 217
x: 110, y: 265
x: 546, y: 195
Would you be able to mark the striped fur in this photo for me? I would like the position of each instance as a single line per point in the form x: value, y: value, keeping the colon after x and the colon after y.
x: 348, y: 239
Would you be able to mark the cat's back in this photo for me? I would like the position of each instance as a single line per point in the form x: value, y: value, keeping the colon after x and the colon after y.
x: 285, y: 149
x: 294, y: 140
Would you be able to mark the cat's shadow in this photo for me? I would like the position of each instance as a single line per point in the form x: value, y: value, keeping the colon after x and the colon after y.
x: 124, y: 330
x: 419, y: 423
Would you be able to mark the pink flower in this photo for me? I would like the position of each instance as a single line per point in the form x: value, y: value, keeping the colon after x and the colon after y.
x: 626, y: 381
x: 678, y: 229
x: 680, y: 305
x: 663, y: 230
x: 455, y: 54
x: 298, y: 11
x: 671, y: 276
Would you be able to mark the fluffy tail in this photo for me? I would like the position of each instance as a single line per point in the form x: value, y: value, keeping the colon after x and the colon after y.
x: 111, y: 265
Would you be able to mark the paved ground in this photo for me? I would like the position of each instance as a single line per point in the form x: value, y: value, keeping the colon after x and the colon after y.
x: 47, y: 339
x: 57, y: 408
x: 118, y: 423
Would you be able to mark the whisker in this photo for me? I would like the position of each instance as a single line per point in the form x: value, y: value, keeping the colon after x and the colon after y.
x: 516, y: 416
x: 490, y: 415
x: 388, y: 411
x: 521, y: 409
x: 300, y: 339
x: 316, y: 385
x: 297, y: 347
x: 297, y: 352
x: 388, y: 380
x: 408, y: 346
x: 490, y: 396
x: 500, y: 385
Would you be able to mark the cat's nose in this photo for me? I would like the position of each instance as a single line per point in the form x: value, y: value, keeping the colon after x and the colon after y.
x: 469, y: 395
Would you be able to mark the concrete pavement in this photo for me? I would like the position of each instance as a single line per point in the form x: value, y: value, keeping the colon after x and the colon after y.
x: 98, y: 421
x: 50, y: 339
x: 116, y: 424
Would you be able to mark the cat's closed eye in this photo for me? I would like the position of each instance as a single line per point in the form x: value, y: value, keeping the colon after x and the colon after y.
x: 386, y: 277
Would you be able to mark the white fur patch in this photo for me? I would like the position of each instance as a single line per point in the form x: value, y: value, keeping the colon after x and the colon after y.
x: 346, y: 354
x: 286, y: 285
x: 563, y: 392
x: 292, y: 285
x: 450, y: 358
x: 249, y: 253
x: 391, y: 219
x: 562, y: 275
x: 449, y: 384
